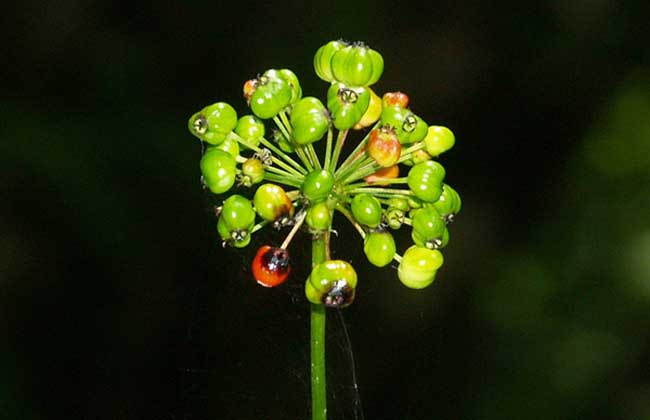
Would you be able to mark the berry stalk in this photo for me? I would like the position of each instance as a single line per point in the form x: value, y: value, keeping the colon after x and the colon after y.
x: 320, y: 253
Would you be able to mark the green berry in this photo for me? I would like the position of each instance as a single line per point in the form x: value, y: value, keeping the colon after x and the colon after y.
x: 309, y: 120
x: 379, y: 248
x: 425, y: 180
x: 438, y: 140
x: 347, y: 104
x: 428, y: 228
x: 253, y: 170
x: 213, y: 123
x: 357, y: 65
x: 409, y: 127
x: 272, y: 203
x: 219, y: 170
x: 317, y: 185
x: 271, y: 96
x: 418, y: 267
x: 323, y: 59
x: 398, y: 203
x: 449, y: 204
x: 230, y: 146
x: 291, y: 79
x: 319, y: 217
x: 394, y: 218
x: 366, y: 209
x: 237, y: 213
x: 236, y: 220
x: 250, y: 128
x: 332, y: 283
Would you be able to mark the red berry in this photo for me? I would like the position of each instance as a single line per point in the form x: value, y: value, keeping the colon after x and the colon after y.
x: 249, y: 88
x: 384, y: 146
x: 395, y: 99
x: 271, y: 266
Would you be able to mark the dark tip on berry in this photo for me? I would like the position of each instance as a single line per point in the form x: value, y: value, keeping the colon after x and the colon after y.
x: 339, y: 295
x: 348, y: 96
x: 284, y: 219
x: 409, y: 123
x: 276, y: 260
x: 263, y: 80
x: 435, y: 243
x: 239, y: 235
x: 200, y: 125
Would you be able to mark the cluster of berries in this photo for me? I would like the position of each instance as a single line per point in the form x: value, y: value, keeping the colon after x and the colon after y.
x: 295, y: 189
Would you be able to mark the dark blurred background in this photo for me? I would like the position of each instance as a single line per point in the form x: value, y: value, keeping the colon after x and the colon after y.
x: 117, y: 301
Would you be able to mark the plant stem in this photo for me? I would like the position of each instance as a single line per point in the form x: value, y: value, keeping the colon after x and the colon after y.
x: 345, y: 212
x: 283, y: 155
x: 283, y: 173
x: 286, y: 122
x: 356, y: 153
x: 384, y: 181
x: 283, y: 129
x: 299, y: 219
x: 314, y: 156
x: 328, y: 148
x: 320, y: 253
x: 282, y: 179
x: 383, y: 191
x: 340, y: 140
x: 304, y: 158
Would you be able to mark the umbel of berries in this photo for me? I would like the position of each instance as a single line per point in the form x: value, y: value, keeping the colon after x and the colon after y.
x: 279, y: 165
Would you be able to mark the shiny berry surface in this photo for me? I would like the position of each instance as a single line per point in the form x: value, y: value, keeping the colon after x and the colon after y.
x: 271, y: 266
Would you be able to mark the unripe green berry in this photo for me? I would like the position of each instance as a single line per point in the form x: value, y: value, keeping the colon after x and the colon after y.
x: 319, y: 217
x: 332, y: 283
x: 439, y: 139
x: 379, y: 248
x: 317, y: 185
x: 419, y: 266
x: 366, y: 210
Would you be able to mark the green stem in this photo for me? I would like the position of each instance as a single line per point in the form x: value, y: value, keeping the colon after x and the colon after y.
x: 275, y: 150
x: 283, y: 129
x: 345, y: 212
x: 283, y: 179
x: 313, y: 155
x: 283, y: 155
x: 361, y: 172
x: 257, y: 227
x: 283, y: 173
x: 328, y: 148
x: 304, y: 158
x: 356, y: 153
x: 384, y: 181
x: 320, y: 253
x: 286, y: 122
x: 383, y: 191
x: 353, y: 167
x: 340, y: 140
